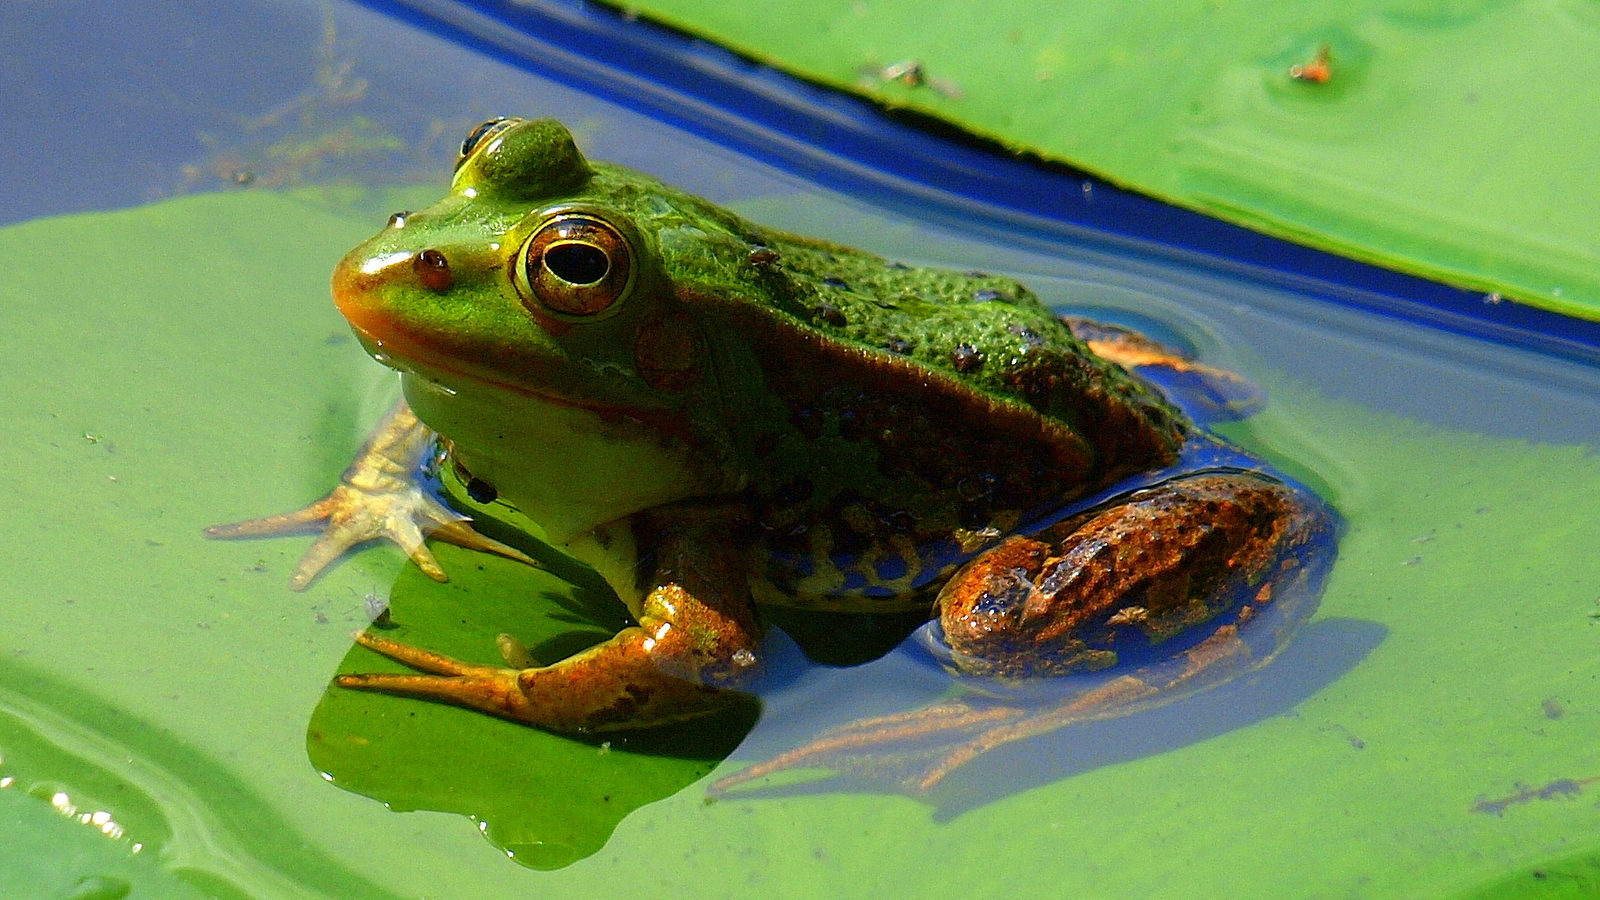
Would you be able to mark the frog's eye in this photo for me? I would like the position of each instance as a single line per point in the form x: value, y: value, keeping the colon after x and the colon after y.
x: 576, y: 265
x: 482, y: 135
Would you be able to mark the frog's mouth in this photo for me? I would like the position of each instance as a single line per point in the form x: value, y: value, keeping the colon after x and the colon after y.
x: 392, y: 344
x: 360, y: 291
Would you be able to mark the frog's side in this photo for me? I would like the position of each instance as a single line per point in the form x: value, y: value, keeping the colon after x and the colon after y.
x: 714, y: 414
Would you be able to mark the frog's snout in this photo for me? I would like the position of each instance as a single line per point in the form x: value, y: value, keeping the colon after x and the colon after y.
x: 352, y: 289
x: 360, y: 281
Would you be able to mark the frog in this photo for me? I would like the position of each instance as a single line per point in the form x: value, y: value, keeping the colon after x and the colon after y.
x: 720, y: 417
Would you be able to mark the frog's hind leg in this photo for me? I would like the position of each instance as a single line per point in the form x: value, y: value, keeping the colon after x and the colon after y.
x: 1133, y: 578
x: 1197, y: 581
x: 1206, y: 393
x: 919, y: 748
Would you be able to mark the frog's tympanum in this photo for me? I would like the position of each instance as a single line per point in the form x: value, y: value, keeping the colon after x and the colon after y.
x: 717, y: 416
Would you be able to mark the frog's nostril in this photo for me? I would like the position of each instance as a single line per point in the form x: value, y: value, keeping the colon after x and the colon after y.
x: 433, y: 270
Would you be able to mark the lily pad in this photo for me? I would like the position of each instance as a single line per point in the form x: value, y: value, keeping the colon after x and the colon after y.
x: 1448, y: 140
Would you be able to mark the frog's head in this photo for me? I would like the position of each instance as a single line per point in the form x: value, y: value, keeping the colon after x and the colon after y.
x: 540, y: 282
x: 531, y: 275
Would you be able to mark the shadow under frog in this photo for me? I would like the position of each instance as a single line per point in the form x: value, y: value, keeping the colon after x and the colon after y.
x: 824, y: 701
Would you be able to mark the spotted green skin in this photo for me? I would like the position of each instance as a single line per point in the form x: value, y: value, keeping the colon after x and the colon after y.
x: 862, y: 426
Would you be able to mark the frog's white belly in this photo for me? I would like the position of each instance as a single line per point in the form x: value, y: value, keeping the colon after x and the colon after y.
x: 568, y: 469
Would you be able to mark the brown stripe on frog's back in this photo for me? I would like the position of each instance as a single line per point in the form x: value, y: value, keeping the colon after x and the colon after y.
x: 874, y: 472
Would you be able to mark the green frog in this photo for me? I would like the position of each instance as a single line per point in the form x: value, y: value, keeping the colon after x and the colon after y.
x: 718, y: 416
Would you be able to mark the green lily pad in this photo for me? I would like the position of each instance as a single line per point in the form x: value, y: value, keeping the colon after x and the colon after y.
x: 1450, y: 140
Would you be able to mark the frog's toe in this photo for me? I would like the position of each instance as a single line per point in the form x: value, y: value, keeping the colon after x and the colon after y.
x: 614, y: 685
x: 491, y: 689
x: 378, y: 497
x: 351, y: 515
x: 910, y: 752
x: 1207, y: 393
x: 461, y: 533
x: 417, y: 658
x: 354, y: 517
x: 337, y: 533
x: 273, y: 526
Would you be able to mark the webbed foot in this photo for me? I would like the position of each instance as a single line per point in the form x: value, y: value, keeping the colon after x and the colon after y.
x: 1205, y: 392
x: 377, y: 497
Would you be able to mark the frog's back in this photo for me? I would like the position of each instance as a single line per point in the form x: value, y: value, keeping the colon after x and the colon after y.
x: 909, y: 416
x: 984, y: 340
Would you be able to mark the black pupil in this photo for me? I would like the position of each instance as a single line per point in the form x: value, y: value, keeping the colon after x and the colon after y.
x: 471, y: 143
x: 577, y: 263
x: 476, y: 137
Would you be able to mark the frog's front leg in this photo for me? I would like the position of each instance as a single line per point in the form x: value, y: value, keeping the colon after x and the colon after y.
x: 694, y: 644
x: 378, y: 496
x: 1195, y: 562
